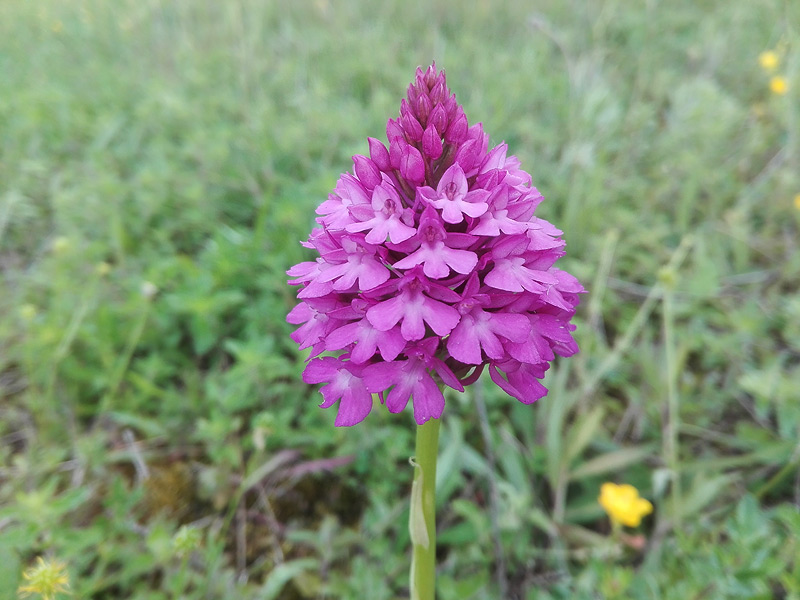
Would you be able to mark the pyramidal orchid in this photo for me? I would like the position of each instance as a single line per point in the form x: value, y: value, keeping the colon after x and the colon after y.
x: 431, y: 266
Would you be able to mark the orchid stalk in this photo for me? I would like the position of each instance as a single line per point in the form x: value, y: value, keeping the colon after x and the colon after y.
x: 422, y: 516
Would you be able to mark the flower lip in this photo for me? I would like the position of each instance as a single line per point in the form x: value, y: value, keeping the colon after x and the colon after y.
x: 450, y: 190
x: 430, y: 228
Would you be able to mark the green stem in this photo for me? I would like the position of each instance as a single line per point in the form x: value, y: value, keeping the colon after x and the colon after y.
x: 422, y: 518
x: 673, y: 403
x: 788, y: 468
x: 124, y: 360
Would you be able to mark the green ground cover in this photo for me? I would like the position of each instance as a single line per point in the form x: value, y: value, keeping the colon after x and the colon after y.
x: 159, y: 162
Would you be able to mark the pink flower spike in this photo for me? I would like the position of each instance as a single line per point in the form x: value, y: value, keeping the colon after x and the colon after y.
x: 428, y: 265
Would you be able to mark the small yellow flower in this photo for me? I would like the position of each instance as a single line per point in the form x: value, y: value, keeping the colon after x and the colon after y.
x: 797, y: 202
x: 778, y: 85
x: 623, y: 504
x: 102, y: 269
x: 768, y: 60
x: 27, y: 312
x: 323, y: 6
x: 61, y: 244
x: 46, y: 578
x: 186, y: 540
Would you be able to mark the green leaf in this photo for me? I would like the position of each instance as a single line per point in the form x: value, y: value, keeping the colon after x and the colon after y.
x: 586, y: 430
x: 9, y: 571
x: 145, y: 425
x: 283, y: 574
x: 610, y: 462
x: 703, y: 491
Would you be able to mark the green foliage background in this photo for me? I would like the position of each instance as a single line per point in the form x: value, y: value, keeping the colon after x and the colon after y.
x: 159, y: 163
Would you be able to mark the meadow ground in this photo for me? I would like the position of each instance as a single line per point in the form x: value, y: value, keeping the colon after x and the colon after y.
x: 160, y: 161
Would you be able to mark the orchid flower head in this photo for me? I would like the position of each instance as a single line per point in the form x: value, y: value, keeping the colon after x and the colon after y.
x: 430, y: 265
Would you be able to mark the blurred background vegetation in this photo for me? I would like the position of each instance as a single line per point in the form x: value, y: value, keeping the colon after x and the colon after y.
x: 160, y: 161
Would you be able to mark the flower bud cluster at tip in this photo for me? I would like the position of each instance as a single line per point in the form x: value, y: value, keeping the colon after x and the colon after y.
x: 432, y: 265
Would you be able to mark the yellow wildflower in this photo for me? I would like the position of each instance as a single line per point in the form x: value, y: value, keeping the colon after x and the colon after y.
x: 768, y: 60
x: 797, y: 202
x: 27, y: 312
x: 46, y: 578
x: 778, y: 85
x: 186, y: 540
x: 61, y: 244
x: 623, y: 504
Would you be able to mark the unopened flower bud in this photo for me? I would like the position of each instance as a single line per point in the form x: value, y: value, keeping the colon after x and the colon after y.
x: 438, y: 118
x: 412, y: 127
x: 405, y: 109
x: 467, y: 154
x: 438, y: 92
x: 412, y: 167
x: 379, y: 154
x: 396, y: 149
x: 432, y: 77
x: 394, y: 131
x: 423, y: 109
x: 431, y: 142
x: 366, y: 171
x: 457, y: 130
